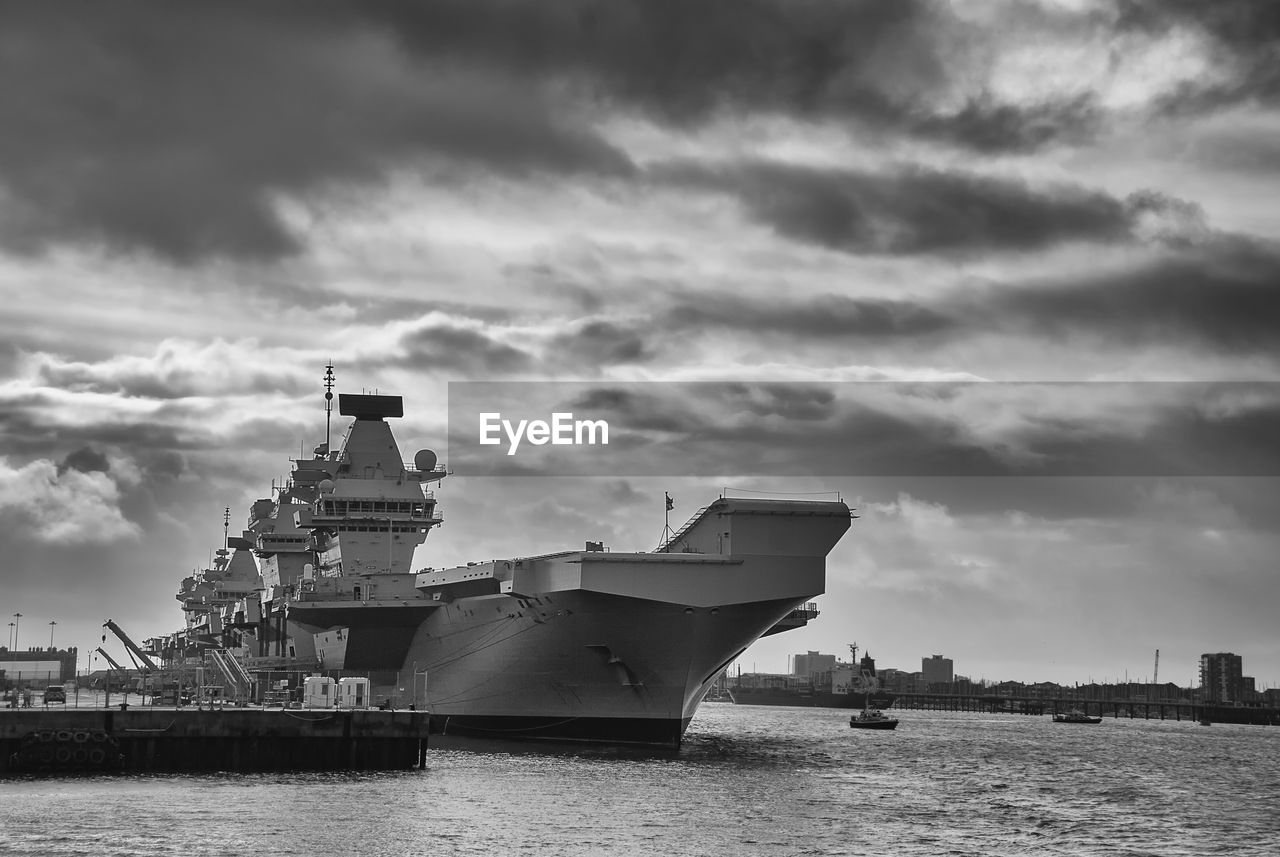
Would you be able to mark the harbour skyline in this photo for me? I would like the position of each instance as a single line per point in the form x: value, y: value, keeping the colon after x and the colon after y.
x: 776, y: 195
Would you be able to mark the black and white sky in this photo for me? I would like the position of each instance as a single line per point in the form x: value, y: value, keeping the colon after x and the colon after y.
x: 201, y: 204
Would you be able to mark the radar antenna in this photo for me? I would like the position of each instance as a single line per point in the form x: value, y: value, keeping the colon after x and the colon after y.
x: 328, y: 403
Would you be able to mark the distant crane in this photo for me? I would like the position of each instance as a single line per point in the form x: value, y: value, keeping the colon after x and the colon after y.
x: 110, y: 659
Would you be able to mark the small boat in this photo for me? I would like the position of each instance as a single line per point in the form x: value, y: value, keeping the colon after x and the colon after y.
x: 1075, y: 715
x: 1205, y: 721
x: 871, y: 718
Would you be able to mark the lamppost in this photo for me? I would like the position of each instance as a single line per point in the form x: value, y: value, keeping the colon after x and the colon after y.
x: 52, y: 622
x: 17, y: 617
x: 11, y: 636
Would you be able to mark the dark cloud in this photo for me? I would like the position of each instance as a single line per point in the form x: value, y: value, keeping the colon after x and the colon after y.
x: 164, y: 381
x: 30, y: 428
x: 1218, y: 292
x: 597, y: 344
x: 276, y: 436
x: 1224, y: 294
x: 825, y: 316
x: 881, y: 65
x: 174, y: 128
x: 803, y: 402
x: 1244, y: 34
x: 620, y: 492
x: 459, y: 349
x: 988, y: 126
x: 887, y: 429
x: 169, y: 128
x: 86, y: 460
x: 912, y: 210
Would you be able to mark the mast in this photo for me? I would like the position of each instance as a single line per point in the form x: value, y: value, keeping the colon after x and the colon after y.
x: 328, y: 404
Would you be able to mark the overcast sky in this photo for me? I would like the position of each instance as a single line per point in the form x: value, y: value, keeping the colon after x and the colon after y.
x: 201, y: 204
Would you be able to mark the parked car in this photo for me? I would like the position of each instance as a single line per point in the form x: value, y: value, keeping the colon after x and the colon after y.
x: 55, y: 693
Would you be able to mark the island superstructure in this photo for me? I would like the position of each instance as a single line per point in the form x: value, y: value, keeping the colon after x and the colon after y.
x: 591, y: 644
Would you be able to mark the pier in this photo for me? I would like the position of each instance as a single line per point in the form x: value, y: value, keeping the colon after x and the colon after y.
x: 1115, y: 708
x: 184, y: 739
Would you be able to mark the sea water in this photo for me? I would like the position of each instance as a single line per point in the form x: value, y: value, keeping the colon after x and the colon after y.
x: 749, y: 780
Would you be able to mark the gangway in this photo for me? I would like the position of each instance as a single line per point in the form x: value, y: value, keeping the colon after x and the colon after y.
x: 237, y: 678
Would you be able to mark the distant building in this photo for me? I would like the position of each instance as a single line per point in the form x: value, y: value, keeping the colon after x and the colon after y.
x: 1222, y: 677
x: 804, y: 666
x: 37, y: 666
x: 937, y: 670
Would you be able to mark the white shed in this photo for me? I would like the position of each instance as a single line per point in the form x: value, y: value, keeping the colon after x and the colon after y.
x: 353, y: 692
x: 318, y: 692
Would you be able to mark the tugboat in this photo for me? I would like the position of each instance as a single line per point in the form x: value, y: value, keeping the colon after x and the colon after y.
x: 872, y: 718
x: 1075, y: 715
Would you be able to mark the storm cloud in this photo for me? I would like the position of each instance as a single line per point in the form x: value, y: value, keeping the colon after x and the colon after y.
x: 914, y: 209
x: 184, y: 130
x: 1243, y: 34
x: 174, y: 128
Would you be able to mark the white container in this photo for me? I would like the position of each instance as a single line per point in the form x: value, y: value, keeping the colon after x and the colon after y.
x: 353, y: 692
x: 318, y: 692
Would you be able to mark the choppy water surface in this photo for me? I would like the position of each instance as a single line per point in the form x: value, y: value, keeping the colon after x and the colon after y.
x: 776, y: 781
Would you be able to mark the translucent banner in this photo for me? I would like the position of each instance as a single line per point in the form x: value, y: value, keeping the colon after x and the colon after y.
x: 870, y: 429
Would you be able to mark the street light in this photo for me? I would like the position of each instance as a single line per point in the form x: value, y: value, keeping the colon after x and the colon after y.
x: 52, y: 622
x: 16, y: 618
x: 11, y: 636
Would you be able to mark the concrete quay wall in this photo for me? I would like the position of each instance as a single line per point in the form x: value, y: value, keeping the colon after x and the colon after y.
x: 180, y: 740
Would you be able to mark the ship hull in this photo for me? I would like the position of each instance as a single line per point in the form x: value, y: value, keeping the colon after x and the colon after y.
x: 576, y: 665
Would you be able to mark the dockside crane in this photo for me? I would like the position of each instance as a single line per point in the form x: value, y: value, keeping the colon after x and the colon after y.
x: 129, y: 644
x: 110, y: 659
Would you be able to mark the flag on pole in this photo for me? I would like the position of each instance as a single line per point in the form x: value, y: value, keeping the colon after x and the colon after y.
x: 670, y: 503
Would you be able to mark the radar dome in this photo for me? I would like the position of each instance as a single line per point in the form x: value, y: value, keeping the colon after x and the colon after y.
x: 326, y: 486
x: 425, y: 460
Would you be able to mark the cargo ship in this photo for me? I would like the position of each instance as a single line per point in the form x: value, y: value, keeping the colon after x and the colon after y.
x: 851, y: 685
x: 592, y: 645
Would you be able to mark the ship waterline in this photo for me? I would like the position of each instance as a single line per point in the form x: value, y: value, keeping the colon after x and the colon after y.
x: 590, y: 644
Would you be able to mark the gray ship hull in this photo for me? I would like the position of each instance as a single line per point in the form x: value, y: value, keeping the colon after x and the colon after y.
x: 578, y: 665
x: 582, y: 645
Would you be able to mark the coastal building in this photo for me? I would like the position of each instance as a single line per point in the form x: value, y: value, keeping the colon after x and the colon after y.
x: 1222, y: 677
x: 806, y: 665
x: 937, y: 670
x: 35, y: 667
